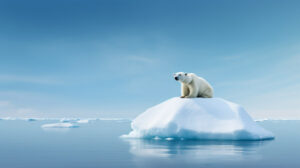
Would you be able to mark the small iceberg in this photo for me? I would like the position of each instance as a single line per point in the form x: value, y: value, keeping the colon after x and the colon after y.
x: 66, y: 120
x: 83, y: 121
x: 74, y: 120
x: 197, y: 118
x: 60, y: 125
x: 31, y: 119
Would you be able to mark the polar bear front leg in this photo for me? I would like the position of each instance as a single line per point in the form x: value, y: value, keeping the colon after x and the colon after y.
x: 193, y: 92
x: 184, y: 91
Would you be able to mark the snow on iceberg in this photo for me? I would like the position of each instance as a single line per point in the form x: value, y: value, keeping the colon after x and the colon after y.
x: 60, y: 125
x: 197, y: 118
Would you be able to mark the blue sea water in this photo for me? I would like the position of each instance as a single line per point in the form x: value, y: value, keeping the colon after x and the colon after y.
x: 24, y: 144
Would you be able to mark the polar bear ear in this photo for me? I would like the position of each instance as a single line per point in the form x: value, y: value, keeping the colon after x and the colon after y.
x: 185, y: 74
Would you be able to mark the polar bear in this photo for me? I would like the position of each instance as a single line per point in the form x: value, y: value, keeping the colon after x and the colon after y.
x: 193, y: 86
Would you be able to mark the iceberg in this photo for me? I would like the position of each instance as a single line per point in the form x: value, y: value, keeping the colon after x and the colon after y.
x: 197, y: 118
x: 60, y: 125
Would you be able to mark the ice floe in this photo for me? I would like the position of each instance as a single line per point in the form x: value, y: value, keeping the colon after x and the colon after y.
x: 60, y: 125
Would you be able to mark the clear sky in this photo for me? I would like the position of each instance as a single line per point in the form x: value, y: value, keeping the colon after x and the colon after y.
x: 115, y: 58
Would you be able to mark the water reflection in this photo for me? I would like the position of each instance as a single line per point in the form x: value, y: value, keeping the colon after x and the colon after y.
x: 196, y: 151
x: 58, y: 130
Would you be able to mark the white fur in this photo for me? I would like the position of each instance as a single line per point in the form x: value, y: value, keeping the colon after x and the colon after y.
x: 193, y: 86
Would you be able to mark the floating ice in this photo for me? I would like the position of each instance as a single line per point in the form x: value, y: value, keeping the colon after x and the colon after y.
x: 72, y: 120
x: 31, y: 119
x: 114, y: 119
x: 8, y: 118
x: 197, y: 118
x: 82, y: 121
x: 60, y: 125
x: 65, y: 120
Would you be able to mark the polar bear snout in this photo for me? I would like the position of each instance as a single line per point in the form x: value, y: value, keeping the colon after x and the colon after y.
x: 176, y: 78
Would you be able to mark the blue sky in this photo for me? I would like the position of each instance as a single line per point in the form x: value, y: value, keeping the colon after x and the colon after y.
x: 115, y: 58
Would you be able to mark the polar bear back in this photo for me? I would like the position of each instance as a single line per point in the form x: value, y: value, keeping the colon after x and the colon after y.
x: 202, y: 85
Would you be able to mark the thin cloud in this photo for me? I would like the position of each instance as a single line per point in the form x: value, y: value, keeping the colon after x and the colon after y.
x: 232, y: 57
x: 8, y: 109
x: 4, y: 103
x: 29, y: 79
x: 142, y: 59
x: 25, y: 112
x: 129, y: 65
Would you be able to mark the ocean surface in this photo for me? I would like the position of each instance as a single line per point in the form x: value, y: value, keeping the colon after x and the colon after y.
x: 97, y: 144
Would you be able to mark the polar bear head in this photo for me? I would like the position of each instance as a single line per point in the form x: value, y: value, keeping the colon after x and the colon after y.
x: 183, y: 77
